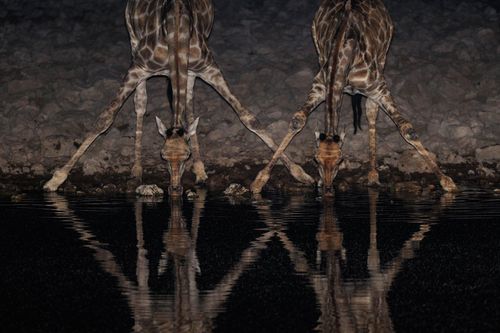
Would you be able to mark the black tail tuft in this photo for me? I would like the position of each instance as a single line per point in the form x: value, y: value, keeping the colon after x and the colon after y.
x: 170, y: 95
x: 356, y: 111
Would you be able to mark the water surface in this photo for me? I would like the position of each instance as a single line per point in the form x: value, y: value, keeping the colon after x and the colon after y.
x: 363, y: 261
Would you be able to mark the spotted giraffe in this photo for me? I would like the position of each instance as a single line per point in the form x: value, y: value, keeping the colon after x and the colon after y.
x: 169, y: 38
x: 352, y: 38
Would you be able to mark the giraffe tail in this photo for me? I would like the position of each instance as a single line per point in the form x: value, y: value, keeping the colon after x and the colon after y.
x: 179, y: 26
x: 339, y: 64
x: 356, y: 111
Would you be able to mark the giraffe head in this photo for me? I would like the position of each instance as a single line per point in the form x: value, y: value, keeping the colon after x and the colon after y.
x: 176, y: 151
x: 328, y: 156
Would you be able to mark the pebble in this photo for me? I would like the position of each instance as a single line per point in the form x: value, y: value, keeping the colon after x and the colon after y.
x: 235, y: 190
x: 190, y: 194
x: 149, y: 191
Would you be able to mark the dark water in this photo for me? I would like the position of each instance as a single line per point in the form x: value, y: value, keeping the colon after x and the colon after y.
x: 362, y: 262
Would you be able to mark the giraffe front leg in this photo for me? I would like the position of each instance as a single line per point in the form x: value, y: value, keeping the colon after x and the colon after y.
x: 140, y: 101
x: 296, y: 125
x: 371, y: 115
x: 213, y: 76
x: 408, y: 133
x: 104, y: 121
x: 198, y: 166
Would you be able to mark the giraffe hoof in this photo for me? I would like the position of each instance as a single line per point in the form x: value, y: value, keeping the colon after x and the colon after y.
x: 300, y: 175
x: 199, y: 171
x: 448, y: 184
x: 57, y: 179
x: 259, y: 182
x: 373, y: 179
x: 137, y: 172
x: 411, y: 134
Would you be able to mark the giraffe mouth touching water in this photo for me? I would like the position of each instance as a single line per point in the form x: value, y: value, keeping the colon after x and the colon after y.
x: 328, y: 156
x: 176, y: 151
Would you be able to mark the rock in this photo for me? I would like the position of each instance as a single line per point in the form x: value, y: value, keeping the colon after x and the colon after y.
x: 410, y: 161
x: 38, y: 169
x: 190, y: 194
x: 458, y: 132
x: 488, y: 154
x: 301, y: 79
x: 453, y: 158
x: 486, y: 172
x: 410, y: 187
x: 235, y: 190
x: 149, y: 191
x: 92, y: 166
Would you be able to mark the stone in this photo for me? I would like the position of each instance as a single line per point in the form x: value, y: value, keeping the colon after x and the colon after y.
x: 92, y: 166
x: 410, y: 161
x: 38, y: 169
x: 458, y: 132
x: 488, y: 154
x: 408, y: 187
x: 235, y: 190
x: 149, y: 191
x: 190, y: 194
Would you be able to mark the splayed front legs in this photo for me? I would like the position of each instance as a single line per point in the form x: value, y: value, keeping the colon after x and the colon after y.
x: 213, y: 76
x: 296, y: 125
x: 314, y: 98
x: 104, y: 121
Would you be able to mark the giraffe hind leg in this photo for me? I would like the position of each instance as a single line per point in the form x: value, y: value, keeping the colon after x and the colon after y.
x: 104, y: 121
x: 140, y: 102
x: 198, y: 166
x: 371, y: 115
x: 213, y: 76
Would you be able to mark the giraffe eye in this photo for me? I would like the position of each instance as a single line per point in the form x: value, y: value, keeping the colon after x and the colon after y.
x: 169, y: 132
x: 322, y: 137
x: 180, y: 132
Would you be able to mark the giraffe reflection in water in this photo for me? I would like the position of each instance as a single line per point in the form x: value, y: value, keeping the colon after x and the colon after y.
x: 187, y: 310
x: 349, y: 306
x: 345, y: 306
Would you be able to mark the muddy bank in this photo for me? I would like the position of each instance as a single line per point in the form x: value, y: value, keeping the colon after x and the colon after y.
x: 468, y: 175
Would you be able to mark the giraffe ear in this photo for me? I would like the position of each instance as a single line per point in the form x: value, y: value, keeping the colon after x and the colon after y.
x: 161, y: 127
x: 192, y: 127
x: 317, y: 135
x: 342, y: 137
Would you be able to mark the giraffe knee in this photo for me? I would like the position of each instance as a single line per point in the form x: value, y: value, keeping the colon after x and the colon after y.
x: 252, y: 123
x: 408, y: 132
x: 298, y: 121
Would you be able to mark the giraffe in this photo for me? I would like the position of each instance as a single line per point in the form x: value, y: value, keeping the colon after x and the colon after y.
x: 169, y: 38
x: 352, y: 38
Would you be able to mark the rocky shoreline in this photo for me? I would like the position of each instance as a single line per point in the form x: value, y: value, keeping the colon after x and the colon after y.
x: 467, y: 175
x: 62, y: 61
